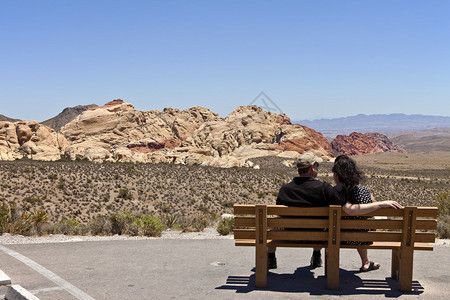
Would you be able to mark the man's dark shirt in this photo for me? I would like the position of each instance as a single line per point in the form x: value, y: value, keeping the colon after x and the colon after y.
x: 308, y: 192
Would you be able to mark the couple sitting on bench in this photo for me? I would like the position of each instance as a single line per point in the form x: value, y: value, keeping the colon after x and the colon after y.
x: 306, y: 191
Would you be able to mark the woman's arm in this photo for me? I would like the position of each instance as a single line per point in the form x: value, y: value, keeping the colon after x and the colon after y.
x: 361, y: 209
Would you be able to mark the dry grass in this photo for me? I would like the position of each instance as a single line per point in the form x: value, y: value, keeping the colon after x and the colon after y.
x: 82, y: 191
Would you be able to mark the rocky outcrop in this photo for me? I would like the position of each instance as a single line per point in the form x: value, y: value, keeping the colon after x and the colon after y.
x: 67, y: 115
x: 359, y: 143
x: 192, y: 136
x: 30, y: 139
x: 384, y: 143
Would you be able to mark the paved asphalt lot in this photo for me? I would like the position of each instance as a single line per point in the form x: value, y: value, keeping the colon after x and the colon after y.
x: 203, y: 269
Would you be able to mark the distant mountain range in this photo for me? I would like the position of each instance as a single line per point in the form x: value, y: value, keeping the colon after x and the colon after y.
x: 381, y: 123
x: 436, y: 139
x: 5, y: 118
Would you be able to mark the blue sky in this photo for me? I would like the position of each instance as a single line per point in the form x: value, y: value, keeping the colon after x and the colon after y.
x: 314, y: 59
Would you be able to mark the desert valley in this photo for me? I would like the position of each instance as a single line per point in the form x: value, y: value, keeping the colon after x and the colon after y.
x: 184, y: 168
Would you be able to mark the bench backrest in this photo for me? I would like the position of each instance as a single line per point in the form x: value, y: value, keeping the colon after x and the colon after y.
x: 272, y: 223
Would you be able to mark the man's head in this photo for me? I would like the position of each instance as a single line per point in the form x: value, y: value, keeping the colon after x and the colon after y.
x: 308, y: 164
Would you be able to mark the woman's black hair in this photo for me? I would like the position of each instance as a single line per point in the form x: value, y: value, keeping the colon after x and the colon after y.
x: 349, y: 175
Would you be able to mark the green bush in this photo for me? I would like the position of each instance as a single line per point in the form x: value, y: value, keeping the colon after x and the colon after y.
x: 443, y: 203
x: 38, y: 218
x: 225, y: 226
x: 121, y: 222
x: 150, y: 226
x: 71, y: 227
x: 14, y: 221
x: 443, y: 227
x: 4, y: 218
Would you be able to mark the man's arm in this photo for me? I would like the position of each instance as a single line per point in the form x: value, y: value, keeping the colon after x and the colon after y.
x: 361, y: 209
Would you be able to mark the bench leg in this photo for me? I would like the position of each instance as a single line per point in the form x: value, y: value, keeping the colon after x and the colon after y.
x: 395, y: 263
x: 332, y: 268
x: 405, y: 272
x: 261, y: 266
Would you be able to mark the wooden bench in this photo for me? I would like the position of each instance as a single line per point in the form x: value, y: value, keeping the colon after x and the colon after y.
x: 400, y: 230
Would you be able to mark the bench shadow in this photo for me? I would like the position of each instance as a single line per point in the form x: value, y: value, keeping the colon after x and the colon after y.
x: 303, y: 281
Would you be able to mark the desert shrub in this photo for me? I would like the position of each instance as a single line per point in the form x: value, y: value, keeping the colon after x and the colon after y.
x: 121, y: 222
x: 125, y: 194
x: 200, y: 222
x: 228, y: 203
x: 101, y: 225
x: 170, y: 220
x: 443, y: 227
x: 33, y: 200
x: 225, y: 226
x: 443, y: 203
x: 71, y: 227
x: 48, y: 228
x: 38, y: 218
x: 15, y: 221
x: 61, y: 183
x: 22, y: 225
x: 4, y: 217
x: 150, y: 225
x: 52, y: 177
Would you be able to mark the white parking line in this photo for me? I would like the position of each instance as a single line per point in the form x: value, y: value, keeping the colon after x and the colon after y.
x: 47, y: 273
x: 46, y: 290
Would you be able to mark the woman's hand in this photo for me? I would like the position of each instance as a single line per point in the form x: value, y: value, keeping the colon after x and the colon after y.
x: 390, y: 203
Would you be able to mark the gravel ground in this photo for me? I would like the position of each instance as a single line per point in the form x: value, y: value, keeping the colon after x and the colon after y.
x: 8, y: 239
x: 208, y: 233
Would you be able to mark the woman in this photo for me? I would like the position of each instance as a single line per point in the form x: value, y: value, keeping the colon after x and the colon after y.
x: 347, y: 177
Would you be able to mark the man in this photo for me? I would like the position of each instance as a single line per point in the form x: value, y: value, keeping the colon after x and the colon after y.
x: 306, y: 191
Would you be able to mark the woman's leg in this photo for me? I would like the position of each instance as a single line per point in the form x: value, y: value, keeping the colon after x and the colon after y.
x: 365, y: 262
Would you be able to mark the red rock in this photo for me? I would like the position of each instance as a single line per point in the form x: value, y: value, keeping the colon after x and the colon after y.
x: 359, y: 143
x: 109, y: 104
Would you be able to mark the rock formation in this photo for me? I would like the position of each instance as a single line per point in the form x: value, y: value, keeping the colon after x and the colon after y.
x: 384, y: 143
x: 67, y: 115
x: 31, y: 140
x: 359, y: 143
x: 118, y: 132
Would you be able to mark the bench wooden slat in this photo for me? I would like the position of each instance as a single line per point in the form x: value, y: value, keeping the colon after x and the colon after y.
x: 422, y: 212
x: 244, y: 222
x: 298, y: 235
x: 244, y: 209
x: 371, y: 236
x: 244, y: 233
x: 423, y: 237
x: 247, y: 209
x: 392, y: 245
x: 372, y: 224
x: 297, y: 223
x: 375, y: 245
x: 420, y: 237
x: 345, y: 224
x: 386, y: 224
x: 283, y: 210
